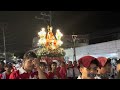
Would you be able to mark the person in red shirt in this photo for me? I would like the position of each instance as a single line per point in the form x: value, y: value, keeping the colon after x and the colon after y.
x: 63, y: 70
x: 26, y: 71
x: 54, y: 74
x: 13, y: 69
x: 89, y: 71
x: 6, y: 74
x: 58, y: 66
x: 105, y: 71
x: 49, y: 67
x: 43, y: 68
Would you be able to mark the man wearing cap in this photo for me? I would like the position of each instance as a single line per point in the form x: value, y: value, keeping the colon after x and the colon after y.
x: 26, y: 71
x: 89, y: 71
x: 105, y: 71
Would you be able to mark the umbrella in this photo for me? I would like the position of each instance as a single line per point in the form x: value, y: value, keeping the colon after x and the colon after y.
x: 102, y: 60
x: 86, y: 60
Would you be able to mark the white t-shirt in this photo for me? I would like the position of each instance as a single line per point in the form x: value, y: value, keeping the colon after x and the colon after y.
x: 79, y: 77
x: 70, y: 72
x: 17, y: 66
x: 76, y: 71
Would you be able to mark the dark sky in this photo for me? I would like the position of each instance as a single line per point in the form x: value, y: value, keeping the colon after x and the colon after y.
x: 22, y: 25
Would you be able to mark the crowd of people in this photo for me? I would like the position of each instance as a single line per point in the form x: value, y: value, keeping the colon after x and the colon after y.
x: 32, y: 68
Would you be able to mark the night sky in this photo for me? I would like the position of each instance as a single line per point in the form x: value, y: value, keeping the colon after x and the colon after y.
x: 23, y: 27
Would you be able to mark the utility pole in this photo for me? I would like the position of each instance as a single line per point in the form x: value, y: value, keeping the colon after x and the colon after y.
x: 3, y: 27
x: 45, y: 15
x: 50, y: 16
x: 74, y: 37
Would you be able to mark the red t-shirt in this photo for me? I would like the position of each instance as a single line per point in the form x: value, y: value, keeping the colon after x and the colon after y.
x: 63, y: 72
x: 52, y: 75
x: 14, y: 69
x: 20, y: 74
x: 58, y: 69
x: 4, y: 77
x: 46, y: 75
x: 66, y: 65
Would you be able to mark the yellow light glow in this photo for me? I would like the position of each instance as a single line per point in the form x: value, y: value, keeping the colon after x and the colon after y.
x: 53, y: 47
x: 50, y: 28
x: 59, y: 42
x: 58, y: 30
x: 43, y: 29
x: 58, y: 34
x: 48, y: 40
x: 39, y: 33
